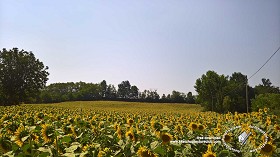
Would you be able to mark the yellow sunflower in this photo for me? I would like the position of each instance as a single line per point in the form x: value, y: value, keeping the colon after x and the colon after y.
x: 166, y: 138
x: 101, y: 154
x: 268, y: 149
x: 193, y: 126
x: 268, y: 121
x: 35, y: 138
x: 227, y: 138
x: 130, y: 121
x: 265, y: 110
x: 47, y: 133
x: 143, y: 151
x: 156, y: 125
x: 267, y: 137
x: 201, y: 127
x: 116, y: 126
x: 19, y: 134
x: 277, y: 128
x: 119, y: 132
x: 130, y: 135
x: 209, y: 152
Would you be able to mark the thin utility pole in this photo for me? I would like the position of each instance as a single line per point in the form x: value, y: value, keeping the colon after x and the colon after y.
x: 247, y: 103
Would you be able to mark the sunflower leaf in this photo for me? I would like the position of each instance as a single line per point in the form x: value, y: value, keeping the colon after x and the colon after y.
x: 165, y: 128
x: 154, y: 145
x: 13, y: 138
x: 160, y: 150
x: 66, y: 139
x: 80, y: 136
x: 24, y: 138
x: 72, y: 148
x: 69, y: 154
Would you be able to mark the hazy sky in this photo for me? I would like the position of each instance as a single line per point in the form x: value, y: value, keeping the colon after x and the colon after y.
x: 155, y: 44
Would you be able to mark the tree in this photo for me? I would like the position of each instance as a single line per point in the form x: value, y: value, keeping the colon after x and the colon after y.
x: 124, y: 89
x: 134, y: 92
x: 211, y: 89
x: 266, y: 87
x: 103, y: 86
x: 178, y: 97
x: 111, y: 92
x: 236, y: 90
x: 21, y: 76
x: 190, y: 98
x: 268, y: 100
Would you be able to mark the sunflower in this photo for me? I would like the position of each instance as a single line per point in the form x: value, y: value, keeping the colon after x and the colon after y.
x: 5, y: 145
x: 193, y: 126
x: 179, y: 129
x: 119, y: 132
x: 277, y: 128
x: 130, y: 121
x: 166, y: 138
x: 268, y: 149
x: 201, y: 127
x: 35, y: 138
x: 156, y: 125
x: 268, y: 121
x: 73, y: 131
x: 130, y: 135
x: 217, y: 130
x: 227, y: 138
x: 116, y: 126
x: 267, y: 137
x: 47, y: 133
x: 101, y: 154
x: 19, y: 134
x: 143, y: 151
x: 209, y: 152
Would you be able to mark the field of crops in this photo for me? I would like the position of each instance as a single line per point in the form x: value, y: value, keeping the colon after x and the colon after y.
x: 134, y: 129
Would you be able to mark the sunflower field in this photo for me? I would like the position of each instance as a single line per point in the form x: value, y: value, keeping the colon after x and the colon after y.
x: 125, y: 129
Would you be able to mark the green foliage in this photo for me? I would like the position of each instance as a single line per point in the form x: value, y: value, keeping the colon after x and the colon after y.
x: 222, y: 93
x: 59, y: 92
x: 266, y: 87
x: 269, y: 100
x: 21, y: 76
x: 210, y: 88
x: 124, y: 89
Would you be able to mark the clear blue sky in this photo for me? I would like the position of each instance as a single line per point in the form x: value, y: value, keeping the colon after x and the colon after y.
x: 159, y: 44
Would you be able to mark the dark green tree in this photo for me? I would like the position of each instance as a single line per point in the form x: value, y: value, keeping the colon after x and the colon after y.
x: 111, y: 92
x: 236, y: 90
x: 268, y: 100
x: 22, y: 76
x: 134, y: 92
x: 124, y: 90
x: 177, y: 97
x: 266, y: 87
x: 211, y: 90
x: 103, y: 86
x: 190, y: 98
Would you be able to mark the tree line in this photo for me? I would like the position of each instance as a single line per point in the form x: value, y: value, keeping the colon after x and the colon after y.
x: 81, y: 91
x: 223, y: 94
x: 23, y: 79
